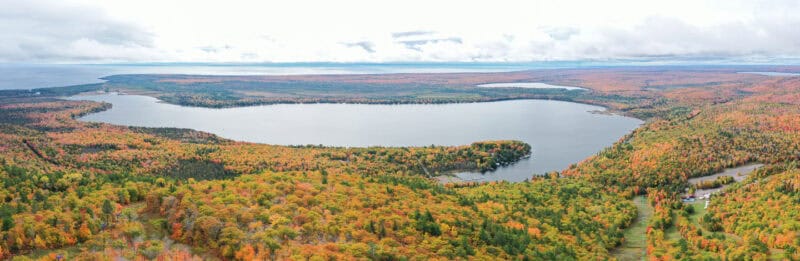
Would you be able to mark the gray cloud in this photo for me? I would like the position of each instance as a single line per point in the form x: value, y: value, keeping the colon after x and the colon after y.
x: 416, y: 44
x: 215, y: 49
x: 562, y: 33
x: 55, y: 31
x: 411, y: 34
x: 366, y: 45
x: 414, y: 40
x: 668, y: 37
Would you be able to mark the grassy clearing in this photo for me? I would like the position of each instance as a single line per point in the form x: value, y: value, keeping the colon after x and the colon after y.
x: 699, y: 211
x: 635, y: 245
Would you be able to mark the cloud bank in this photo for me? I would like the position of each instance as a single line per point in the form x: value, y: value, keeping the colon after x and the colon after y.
x: 403, y: 31
x: 54, y: 31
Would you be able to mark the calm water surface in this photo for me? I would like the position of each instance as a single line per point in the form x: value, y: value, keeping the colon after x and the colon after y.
x: 528, y: 85
x: 29, y: 76
x: 782, y: 74
x: 561, y: 133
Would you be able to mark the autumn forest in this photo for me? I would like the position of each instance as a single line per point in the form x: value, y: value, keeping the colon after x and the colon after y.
x: 77, y: 190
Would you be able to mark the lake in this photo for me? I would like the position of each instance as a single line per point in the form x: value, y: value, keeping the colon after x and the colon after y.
x: 528, y: 85
x: 782, y: 74
x: 560, y: 133
x: 29, y: 76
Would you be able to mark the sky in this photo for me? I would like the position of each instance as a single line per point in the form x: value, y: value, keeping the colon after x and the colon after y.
x: 239, y: 31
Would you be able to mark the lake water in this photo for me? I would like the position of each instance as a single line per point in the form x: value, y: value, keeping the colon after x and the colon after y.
x: 560, y: 133
x: 29, y: 76
x: 782, y: 74
x: 529, y: 85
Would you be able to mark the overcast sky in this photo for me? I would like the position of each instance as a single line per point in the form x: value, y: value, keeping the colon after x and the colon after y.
x: 42, y: 31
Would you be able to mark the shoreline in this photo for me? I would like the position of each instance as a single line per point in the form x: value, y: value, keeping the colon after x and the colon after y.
x: 453, y: 177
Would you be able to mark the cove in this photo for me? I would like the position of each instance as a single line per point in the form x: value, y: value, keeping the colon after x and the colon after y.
x: 560, y: 133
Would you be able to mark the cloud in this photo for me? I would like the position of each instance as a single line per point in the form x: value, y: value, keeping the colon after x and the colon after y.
x: 663, y: 37
x: 415, y: 40
x: 58, y: 31
x: 562, y: 33
x: 411, y: 33
x: 244, y: 31
x: 416, y: 44
x: 214, y: 49
x: 366, y: 45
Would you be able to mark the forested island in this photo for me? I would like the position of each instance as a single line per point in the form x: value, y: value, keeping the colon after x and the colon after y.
x: 80, y: 190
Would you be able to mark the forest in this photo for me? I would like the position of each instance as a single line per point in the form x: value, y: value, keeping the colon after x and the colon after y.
x: 90, y: 191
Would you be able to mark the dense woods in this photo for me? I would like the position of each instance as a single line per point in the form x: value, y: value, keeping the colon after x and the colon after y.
x: 91, y: 191
x: 764, y: 210
x: 87, y: 190
x: 698, y: 131
x: 321, y: 214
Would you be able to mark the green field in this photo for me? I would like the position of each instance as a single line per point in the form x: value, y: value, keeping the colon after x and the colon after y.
x: 635, y: 244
